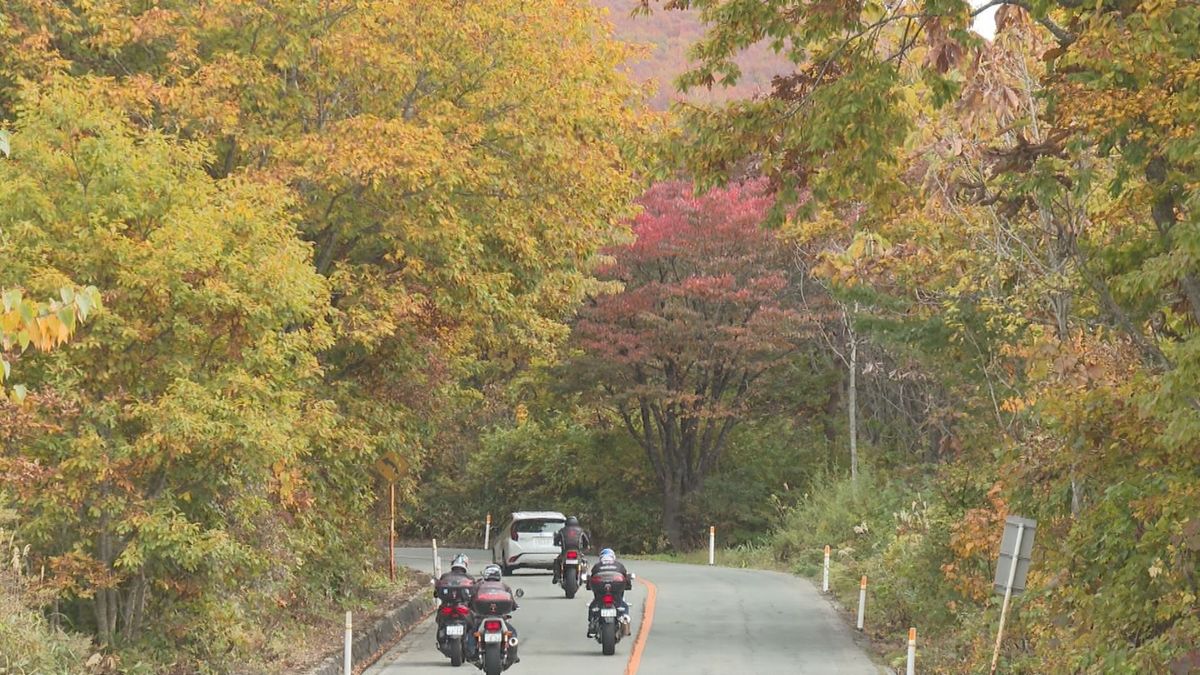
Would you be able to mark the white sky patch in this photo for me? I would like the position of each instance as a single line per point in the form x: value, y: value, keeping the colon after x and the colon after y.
x: 985, y: 23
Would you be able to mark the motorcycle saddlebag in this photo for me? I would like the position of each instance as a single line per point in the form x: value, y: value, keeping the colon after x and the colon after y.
x: 493, y: 602
x: 454, y: 590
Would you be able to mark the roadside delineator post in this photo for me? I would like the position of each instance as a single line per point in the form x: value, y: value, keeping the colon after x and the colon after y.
x: 862, y: 600
x: 487, y: 532
x: 347, y: 652
x: 437, y: 561
x: 825, y: 574
x: 712, y: 545
x: 912, y: 652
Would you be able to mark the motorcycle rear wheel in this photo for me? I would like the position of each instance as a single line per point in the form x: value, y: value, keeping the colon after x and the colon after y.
x: 456, y: 653
x: 571, y: 581
x: 608, y: 638
x: 493, y: 662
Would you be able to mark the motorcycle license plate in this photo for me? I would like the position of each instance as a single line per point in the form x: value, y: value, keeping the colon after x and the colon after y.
x: 492, y: 637
x: 607, y: 612
x: 570, y: 562
x: 454, y: 631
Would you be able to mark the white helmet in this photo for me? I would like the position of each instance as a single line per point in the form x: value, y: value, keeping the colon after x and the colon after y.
x: 460, y: 563
x: 492, y: 572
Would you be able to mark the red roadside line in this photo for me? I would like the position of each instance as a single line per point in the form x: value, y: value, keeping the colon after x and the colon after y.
x: 635, y: 657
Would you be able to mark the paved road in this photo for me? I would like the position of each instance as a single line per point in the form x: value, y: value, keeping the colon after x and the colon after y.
x: 707, y: 620
x: 552, y: 629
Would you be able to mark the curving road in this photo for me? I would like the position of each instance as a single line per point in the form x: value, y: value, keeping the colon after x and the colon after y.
x: 707, y: 620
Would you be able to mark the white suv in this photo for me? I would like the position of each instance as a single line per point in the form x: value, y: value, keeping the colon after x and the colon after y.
x: 528, y: 541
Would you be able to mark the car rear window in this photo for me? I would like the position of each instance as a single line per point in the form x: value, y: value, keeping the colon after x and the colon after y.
x: 538, y: 525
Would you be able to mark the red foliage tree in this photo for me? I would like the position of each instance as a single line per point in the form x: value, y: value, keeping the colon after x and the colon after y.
x: 703, y: 315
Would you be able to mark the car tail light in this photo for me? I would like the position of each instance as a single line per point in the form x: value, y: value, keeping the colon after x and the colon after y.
x: 512, y: 531
x: 491, y: 625
x: 447, y: 610
x: 608, y: 599
x: 572, y: 555
x: 462, y: 610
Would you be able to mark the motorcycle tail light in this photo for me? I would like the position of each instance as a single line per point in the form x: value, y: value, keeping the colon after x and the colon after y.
x: 447, y: 610
x: 608, y: 599
x: 462, y: 610
x: 491, y: 625
x: 572, y: 555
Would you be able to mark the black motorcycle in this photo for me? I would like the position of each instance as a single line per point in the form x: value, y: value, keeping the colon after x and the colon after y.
x: 609, y: 623
x: 454, y: 623
x: 574, y: 568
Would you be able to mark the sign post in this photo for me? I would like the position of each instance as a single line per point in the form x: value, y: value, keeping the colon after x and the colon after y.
x: 487, y: 532
x: 1016, y: 548
x: 392, y: 536
x: 712, y: 545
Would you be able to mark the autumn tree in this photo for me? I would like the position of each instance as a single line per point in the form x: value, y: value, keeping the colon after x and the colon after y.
x: 182, y: 421
x: 349, y: 212
x: 454, y: 171
x: 1032, y: 202
x: 704, y: 313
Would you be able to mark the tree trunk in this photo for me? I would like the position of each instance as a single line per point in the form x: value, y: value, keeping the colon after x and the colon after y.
x: 672, y: 513
x: 852, y: 404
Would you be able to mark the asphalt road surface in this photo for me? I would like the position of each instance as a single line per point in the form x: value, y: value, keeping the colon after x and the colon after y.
x: 706, y: 620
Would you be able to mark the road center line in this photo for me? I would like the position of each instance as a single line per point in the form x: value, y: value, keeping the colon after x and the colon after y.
x: 635, y: 656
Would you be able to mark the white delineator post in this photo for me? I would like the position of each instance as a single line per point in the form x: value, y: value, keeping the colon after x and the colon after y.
x: 712, y: 545
x: 825, y: 573
x: 1012, y: 575
x: 912, y: 652
x: 862, y: 601
x: 437, y: 561
x: 347, y: 653
x: 487, y: 532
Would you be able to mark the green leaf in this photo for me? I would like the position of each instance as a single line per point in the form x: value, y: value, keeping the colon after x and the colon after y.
x: 67, y: 316
x: 12, y: 298
x: 83, y: 302
x: 5, y: 370
x: 19, y: 392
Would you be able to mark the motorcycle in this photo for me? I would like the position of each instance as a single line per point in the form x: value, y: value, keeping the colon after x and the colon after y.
x: 574, y: 568
x: 454, y: 620
x: 610, y: 624
x: 494, y: 638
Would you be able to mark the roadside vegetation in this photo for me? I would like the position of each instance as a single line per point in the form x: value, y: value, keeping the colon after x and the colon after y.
x: 261, y: 262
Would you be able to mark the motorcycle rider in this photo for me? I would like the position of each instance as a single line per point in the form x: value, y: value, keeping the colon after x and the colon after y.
x: 608, y: 576
x: 490, y: 585
x: 571, y: 537
x: 455, y: 587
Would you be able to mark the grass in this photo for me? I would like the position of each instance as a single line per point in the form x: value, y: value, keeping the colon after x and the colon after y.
x: 744, y: 556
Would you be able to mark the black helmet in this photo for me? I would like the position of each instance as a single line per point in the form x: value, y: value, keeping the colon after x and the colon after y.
x: 572, y: 521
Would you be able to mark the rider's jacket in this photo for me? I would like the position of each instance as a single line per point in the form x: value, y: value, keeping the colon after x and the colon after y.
x: 572, y: 538
x: 454, y: 586
x: 610, y: 576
